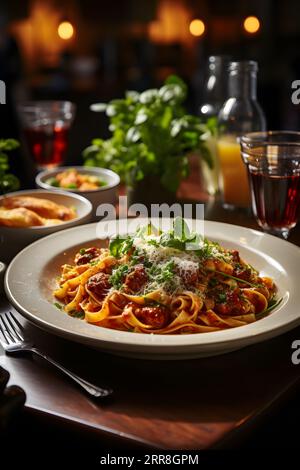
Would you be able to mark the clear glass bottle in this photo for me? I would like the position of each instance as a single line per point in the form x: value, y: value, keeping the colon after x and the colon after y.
x: 215, y: 87
x: 215, y: 93
x: 241, y: 113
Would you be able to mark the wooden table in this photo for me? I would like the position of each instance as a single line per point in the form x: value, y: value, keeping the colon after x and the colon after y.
x: 191, y: 404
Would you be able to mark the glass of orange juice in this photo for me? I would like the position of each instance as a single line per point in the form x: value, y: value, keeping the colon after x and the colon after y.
x: 233, y: 175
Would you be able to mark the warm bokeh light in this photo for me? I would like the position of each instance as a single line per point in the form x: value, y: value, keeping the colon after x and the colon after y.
x: 65, y: 30
x: 251, y: 24
x: 197, y: 27
x: 171, y: 24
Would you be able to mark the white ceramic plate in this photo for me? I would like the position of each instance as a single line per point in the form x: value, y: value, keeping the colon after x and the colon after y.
x: 30, y: 279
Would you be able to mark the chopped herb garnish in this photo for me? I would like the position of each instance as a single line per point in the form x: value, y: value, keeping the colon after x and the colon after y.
x: 82, y: 251
x: 221, y: 298
x: 153, y: 242
x: 212, y: 282
x: 94, y: 262
x: 117, y: 277
x: 77, y: 314
x: 162, y: 274
x: 57, y: 305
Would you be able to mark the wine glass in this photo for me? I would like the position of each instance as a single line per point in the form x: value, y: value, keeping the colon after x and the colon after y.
x: 273, y: 162
x: 46, y: 127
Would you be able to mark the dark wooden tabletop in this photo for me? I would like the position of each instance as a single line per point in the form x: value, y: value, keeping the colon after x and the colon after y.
x: 190, y: 404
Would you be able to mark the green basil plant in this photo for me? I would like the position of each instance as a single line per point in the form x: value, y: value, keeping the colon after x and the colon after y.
x: 8, y: 182
x: 151, y: 135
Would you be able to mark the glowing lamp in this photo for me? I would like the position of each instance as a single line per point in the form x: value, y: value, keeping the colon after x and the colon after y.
x: 197, y: 27
x: 251, y: 24
x: 65, y: 30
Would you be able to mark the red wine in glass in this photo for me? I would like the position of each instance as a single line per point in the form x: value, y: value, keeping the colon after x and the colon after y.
x: 47, y: 144
x: 276, y: 201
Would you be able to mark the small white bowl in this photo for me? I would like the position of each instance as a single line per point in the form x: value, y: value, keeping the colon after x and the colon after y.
x: 104, y: 195
x: 14, y: 239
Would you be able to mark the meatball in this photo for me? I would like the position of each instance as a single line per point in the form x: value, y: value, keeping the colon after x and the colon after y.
x: 87, y: 255
x: 190, y: 278
x: 156, y: 317
x: 232, y: 305
x: 135, y: 280
x: 235, y: 256
x: 98, y: 286
x: 243, y: 273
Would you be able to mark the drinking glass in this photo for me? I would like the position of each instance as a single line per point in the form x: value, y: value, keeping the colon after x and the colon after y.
x: 273, y: 162
x: 46, y: 127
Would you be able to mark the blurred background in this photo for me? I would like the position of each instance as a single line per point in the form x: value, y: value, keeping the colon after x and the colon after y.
x: 93, y: 50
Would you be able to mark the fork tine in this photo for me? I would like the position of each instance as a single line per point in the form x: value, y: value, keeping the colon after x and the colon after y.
x: 8, y: 317
x: 7, y: 337
x: 21, y: 327
x: 3, y: 334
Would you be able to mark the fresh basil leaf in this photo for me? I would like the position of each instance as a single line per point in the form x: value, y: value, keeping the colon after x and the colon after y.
x: 167, y: 239
x: 115, y: 246
x: 181, y: 229
x: 119, y: 246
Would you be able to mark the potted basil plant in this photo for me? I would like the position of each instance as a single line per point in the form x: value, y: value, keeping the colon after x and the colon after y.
x: 152, y: 136
x: 8, y: 181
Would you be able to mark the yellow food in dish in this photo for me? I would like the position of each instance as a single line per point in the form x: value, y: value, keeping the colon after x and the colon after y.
x: 19, y: 217
x: 155, y: 283
x: 27, y: 211
x: 72, y: 179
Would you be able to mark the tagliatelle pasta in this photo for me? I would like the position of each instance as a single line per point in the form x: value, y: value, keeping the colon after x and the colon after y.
x: 151, y: 282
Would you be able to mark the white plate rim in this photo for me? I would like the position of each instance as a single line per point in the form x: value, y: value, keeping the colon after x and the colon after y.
x: 240, y: 336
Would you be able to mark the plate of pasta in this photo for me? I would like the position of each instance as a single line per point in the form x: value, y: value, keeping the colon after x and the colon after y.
x: 159, y: 294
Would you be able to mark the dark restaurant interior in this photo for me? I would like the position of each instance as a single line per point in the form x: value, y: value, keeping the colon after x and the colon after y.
x: 136, y: 44
x: 93, y: 51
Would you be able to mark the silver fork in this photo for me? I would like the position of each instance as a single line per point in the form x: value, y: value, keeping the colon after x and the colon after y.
x: 13, y: 342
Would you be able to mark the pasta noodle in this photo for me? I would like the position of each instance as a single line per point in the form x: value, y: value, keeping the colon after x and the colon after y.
x: 149, y: 282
